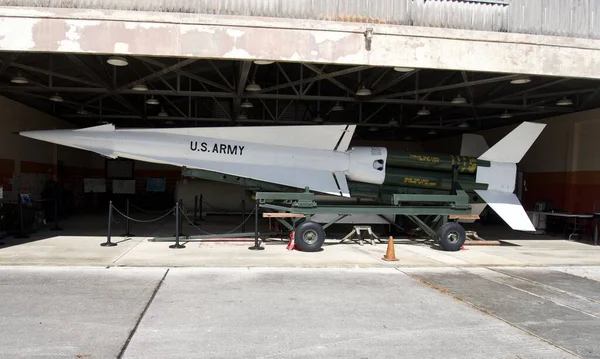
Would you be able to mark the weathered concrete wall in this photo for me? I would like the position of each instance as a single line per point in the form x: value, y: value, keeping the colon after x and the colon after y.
x: 279, y: 39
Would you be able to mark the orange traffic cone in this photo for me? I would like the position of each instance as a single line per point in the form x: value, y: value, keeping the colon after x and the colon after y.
x: 291, y: 244
x: 390, y: 253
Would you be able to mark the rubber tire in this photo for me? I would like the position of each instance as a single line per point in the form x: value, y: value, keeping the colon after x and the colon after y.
x: 446, y: 230
x: 309, y: 247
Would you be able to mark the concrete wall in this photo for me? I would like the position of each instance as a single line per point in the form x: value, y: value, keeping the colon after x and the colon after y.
x: 562, y: 166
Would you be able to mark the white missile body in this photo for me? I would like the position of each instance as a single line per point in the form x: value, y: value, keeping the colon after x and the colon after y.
x: 317, y: 157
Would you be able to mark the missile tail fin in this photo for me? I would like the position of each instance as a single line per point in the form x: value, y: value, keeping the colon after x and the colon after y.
x: 508, y: 207
x: 513, y: 146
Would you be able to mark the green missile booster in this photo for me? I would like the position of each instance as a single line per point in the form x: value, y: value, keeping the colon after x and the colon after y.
x: 433, y: 161
x: 438, y: 180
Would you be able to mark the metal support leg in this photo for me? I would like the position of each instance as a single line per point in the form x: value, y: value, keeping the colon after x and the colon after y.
x: 108, y: 243
x: 177, y: 245
x: 256, y: 246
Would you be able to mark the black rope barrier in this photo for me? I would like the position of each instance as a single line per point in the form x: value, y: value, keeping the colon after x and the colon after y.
x: 112, y: 208
x: 216, y: 234
x: 127, y: 225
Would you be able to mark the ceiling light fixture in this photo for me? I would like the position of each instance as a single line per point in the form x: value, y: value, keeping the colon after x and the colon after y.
x: 564, y: 102
x: 152, y: 101
x: 337, y: 107
x: 520, y: 81
x: 56, y: 98
x: 363, y: 91
x: 263, y: 62
x: 19, y: 79
x: 506, y: 114
x: 464, y: 124
x: 163, y: 113
x: 140, y: 87
x: 459, y: 100
x: 373, y: 129
x: 318, y: 119
x: 423, y: 112
x: 169, y: 122
x: 403, y: 69
x: 432, y: 132
x: 253, y: 87
x: 117, y: 61
x: 247, y: 104
x: 242, y: 117
x: 82, y: 111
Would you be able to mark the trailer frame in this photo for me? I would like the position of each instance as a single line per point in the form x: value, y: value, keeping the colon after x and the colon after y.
x: 438, y: 224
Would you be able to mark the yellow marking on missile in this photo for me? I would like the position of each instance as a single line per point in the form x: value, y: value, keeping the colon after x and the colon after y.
x: 419, y: 181
x: 423, y: 158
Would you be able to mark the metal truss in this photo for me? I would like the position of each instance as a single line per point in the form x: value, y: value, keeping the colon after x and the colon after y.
x: 187, y: 92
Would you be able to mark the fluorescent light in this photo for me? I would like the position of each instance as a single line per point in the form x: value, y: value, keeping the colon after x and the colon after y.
x: 403, y: 69
x: 152, y: 101
x: 459, y: 99
x: 117, y: 61
x: 564, y: 102
x: 423, y: 112
x: 253, y: 87
x: 263, y: 62
x: 56, y: 98
x: 506, y: 115
x: 337, y: 107
x: 247, y: 104
x: 363, y: 91
x: 140, y: 87
x: 520, y: 81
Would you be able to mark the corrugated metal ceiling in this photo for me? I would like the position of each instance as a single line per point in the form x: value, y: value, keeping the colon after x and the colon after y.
x: 573, y: 18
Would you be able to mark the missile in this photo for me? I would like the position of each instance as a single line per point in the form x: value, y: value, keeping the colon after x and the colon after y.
x: 318, y: 157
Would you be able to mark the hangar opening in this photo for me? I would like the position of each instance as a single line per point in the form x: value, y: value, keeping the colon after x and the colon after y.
x: 410, y: 109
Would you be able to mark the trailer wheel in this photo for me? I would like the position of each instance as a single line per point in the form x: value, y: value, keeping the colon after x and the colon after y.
x: 309, y: 236
x: 452, y: 236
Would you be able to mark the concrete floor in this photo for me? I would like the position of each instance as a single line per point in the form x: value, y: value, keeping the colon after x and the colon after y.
x: 495, y: 312
x: 65, y: 296
x: 79, y: 244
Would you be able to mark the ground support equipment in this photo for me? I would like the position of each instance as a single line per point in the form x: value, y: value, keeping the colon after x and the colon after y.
x: 433, y: 215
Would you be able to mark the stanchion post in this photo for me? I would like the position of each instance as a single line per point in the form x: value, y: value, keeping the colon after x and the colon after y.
x: 200, y: 205
x: 56, y: 227
x: 243, y: 215
x: 256, y: 246
x: 108, y: 243
x: 195, y: 210
x: 180, y: 217
x: 177, y: 217
x: 127, y: 225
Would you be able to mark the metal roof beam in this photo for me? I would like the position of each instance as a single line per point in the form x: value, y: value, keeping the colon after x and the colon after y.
x: 315, y: 78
